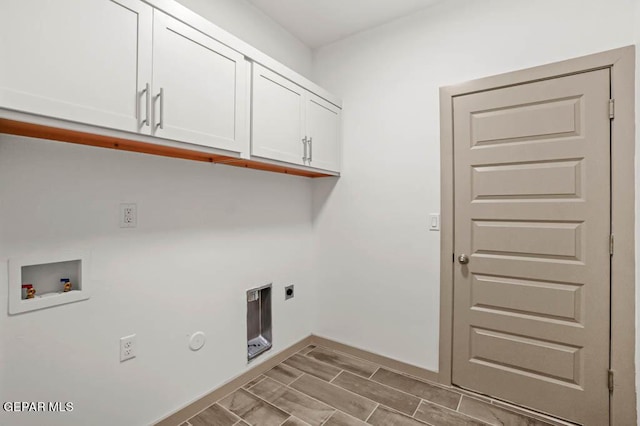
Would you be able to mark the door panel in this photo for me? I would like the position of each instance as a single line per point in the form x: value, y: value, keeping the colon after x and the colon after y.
x: 204, y: 87
x: 277, y: 117
x: 524, y: 355
x: 532, y: 180
x: 80, y: 60
x: 530, y: 239
x: 543, y: 299
x: 532, y: 212
x: 323, y: 126
x: 554, y: 117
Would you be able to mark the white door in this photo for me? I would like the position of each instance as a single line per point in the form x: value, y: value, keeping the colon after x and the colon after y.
x: 199, y: 87
x: 80, y: 60
x: 532, y: 218
x: 323, y: 133
x: 277, y: 117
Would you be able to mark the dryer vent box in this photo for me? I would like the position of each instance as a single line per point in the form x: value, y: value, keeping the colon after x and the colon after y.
x: 259, y: 335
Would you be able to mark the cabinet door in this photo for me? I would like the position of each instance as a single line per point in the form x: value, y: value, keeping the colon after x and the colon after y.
x: 323, y: 129
x: 80, y: 60
x: 277, y: 117
x: 199, y: 87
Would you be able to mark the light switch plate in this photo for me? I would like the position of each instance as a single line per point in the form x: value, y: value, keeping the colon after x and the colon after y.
x: 434, y: 222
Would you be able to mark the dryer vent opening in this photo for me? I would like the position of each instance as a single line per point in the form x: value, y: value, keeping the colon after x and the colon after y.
x: 259, y: 336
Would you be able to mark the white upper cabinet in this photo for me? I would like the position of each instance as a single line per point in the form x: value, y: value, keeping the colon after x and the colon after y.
x: 87, y: 61
x: 292, y: 124
x: 154, y: 69
x: 109, y: 70
x: 199, y: 87
x: 323, y: 126
x: 277, y: 117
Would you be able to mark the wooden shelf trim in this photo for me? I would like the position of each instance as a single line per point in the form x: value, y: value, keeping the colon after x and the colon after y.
x: 20, y: 128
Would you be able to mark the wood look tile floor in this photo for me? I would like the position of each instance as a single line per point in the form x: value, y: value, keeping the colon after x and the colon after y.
x: 322, y: 387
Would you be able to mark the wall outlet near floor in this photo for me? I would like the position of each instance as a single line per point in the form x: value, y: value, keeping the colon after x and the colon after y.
x: 128, y: 215
x: 288, y: 292
x: 128, y: 347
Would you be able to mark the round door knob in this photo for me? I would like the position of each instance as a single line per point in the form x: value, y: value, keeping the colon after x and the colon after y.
x: 463, y: 259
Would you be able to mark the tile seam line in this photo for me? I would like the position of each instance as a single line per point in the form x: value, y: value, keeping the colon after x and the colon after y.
x: 255, y: 384
x: 285, y: 420
x: 393, y: 370
x: 317, y: 400
x: 386, y: 386
x: 335, y: 410
x: 229, y: 394
x: 302, y: 393
x: 287, y: 412
x: 484, y: 422
x: 372, y: 411
x: 417, y: 408
x: 352, y: 417
x: 533, y: 415
x: 484, y: 402
x: 404, y: 415
x: 263, y: 400
x: 375, y: 372
x: 272, y: 378
x: 206, y: 408
x: 459, y: 402
x: 348, y: 356
x: 329, y: 365
x: 336, y: 376
x: 429, y: 383
x: 342, y: 389
x: 449, y: 409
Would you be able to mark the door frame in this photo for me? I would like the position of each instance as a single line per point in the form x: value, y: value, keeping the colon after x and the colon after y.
x: 621, y: 62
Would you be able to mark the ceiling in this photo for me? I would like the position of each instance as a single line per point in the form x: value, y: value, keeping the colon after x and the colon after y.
x: 320, y: 22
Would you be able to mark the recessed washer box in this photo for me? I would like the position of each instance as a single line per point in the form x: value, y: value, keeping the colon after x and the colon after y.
x: 45, y: 272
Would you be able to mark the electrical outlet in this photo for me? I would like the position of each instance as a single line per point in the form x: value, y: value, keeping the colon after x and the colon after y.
x: 128, y: 215
x: 128, y: 347
x: 288, y: 292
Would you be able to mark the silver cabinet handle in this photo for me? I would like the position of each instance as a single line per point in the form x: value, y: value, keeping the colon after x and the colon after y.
x: 310, y: 150
x: 147, y: 93
x: 304, y: 144
x: 161, y: 99
x: 463, y: 259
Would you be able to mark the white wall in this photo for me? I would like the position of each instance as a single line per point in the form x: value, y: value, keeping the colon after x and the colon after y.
x: 206, y: 233
x: 378, y: 263
x: 245, y: 21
